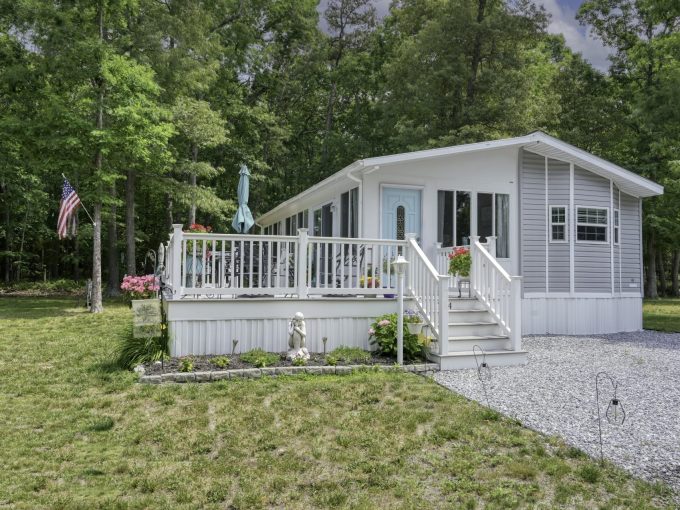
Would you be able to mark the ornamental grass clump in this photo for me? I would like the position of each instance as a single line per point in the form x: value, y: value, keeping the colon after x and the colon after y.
x: 383, y: 334
x: 139, y: 287
x: 260, y: 358
x: 460, y: 262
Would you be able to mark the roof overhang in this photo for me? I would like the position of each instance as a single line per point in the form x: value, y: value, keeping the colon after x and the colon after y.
x: 538, y: 142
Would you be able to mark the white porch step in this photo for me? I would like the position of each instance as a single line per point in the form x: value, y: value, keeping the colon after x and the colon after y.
x: 465, y: 304
x: 466, y: 359
x: 488, y: 343
x: 469, y: 316
x: 474, y: 329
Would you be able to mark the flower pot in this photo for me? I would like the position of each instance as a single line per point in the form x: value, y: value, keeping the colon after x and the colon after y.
x: 389, y: 296
x: 414, y: 327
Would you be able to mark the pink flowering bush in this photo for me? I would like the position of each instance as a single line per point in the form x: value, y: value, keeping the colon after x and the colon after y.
x: 139, y: 287
x: 383, y: 334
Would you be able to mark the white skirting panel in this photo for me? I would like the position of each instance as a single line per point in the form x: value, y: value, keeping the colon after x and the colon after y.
x: 581, y: 315
x: 209, y: 326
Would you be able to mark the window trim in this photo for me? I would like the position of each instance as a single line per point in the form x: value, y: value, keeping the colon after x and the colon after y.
x: 578, y: 223
x: 616, y: 227
x: 566, y: 224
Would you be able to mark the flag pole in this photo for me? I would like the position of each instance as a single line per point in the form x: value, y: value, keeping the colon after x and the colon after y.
x: 81, y: 203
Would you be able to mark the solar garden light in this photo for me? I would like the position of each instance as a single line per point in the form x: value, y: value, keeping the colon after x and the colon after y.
x: 234, y: 343
x: 400, y: 264
x: 324, y: 340
x: 615, y: 414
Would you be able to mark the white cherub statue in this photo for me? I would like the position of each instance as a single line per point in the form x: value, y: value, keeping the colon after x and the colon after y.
x: 297, y: 337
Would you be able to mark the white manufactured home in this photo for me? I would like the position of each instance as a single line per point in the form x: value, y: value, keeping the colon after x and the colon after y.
x: 554, y: 233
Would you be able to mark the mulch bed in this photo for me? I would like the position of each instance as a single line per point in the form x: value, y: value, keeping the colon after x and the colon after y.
x: 204, y: 363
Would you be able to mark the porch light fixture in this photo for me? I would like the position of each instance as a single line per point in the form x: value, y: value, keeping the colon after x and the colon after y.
x: 400, y: 264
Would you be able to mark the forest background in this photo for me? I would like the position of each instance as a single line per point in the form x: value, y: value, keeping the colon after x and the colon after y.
x: 151, y: 106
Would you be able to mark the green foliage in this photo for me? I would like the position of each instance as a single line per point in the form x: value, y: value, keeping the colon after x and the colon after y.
x: 61, y: 286
x: 383, y: 334
x: 259, y: 358
x: 350, y: 355
x: 299, y: 362
x: 186, y: 365
x: 331, y: 360
x: 220, y: 361
x: 135, y: 351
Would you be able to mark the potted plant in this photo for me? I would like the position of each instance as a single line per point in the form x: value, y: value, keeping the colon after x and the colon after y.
x: 413, y: 321
x: 139, y: 287
x: 369, y: 282
x: 459, y: 266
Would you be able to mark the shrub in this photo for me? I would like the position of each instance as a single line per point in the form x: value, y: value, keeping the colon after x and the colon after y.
x: 186, y: 365
x: 351, y: 355
x: 383, y: 334
x: 220, y: 361
x: 299, y: 361
x: 135, y: 351
x: 139, y: 287
x: 331, y: 360
x: 259, y: 358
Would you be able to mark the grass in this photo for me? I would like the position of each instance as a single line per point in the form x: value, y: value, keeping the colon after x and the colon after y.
x: 79, y: 433
x: 661, y: 314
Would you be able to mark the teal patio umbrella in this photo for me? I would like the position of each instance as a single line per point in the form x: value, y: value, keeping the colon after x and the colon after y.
x: 243, y: 220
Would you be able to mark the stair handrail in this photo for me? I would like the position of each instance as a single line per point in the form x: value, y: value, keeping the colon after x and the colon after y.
x: 498, y: 291
x: 430, y: 291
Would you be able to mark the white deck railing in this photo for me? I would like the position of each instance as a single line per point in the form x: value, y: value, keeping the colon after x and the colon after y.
x: 430, y: 291
x: 497, y: 290
x: 206, y: 264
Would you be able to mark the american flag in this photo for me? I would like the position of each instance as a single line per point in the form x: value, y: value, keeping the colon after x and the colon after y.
x: 68, y: 211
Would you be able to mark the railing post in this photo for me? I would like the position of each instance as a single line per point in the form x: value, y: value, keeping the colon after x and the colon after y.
x: 409, y: 256
x: 176, y: 270
x: 473, y: 257
x: 516, y: 312
x: 443, y: 314
x: 491, y: 245
x: 301, y: 273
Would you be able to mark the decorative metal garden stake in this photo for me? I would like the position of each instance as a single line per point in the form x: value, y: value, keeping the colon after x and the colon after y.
x: 483, y: 369
x: 234, y: 343
x: 615, y: 413
x: 324, y: 340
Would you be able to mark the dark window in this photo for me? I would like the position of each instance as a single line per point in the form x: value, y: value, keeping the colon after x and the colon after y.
x: 349, y: 213
x: 445, y: 218
x: 401, y: 222
x: 502, y: 225
x: 591, y: 224
x: 484, y: 215
x: 462, y: 218
x: 558, y: 223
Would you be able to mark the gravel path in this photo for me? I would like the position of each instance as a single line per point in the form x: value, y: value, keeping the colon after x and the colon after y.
x: 555, y: 394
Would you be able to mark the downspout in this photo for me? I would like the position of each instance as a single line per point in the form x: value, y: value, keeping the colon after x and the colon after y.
x: 361, y: 196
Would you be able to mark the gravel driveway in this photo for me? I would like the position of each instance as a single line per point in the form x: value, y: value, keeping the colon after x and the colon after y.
x: 555, y: 394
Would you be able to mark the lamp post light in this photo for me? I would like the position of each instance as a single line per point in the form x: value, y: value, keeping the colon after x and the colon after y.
x: 400, y: 264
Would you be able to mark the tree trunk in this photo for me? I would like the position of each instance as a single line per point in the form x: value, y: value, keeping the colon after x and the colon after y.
x: 112, y: 289
x: 131, y: 255
x: 476, y: 56
x: 674, y: 275
x: 661, y: 268
x: 171, y: 219
x: 96, y: 305
x: 650, y: 285
x: 192, y: 183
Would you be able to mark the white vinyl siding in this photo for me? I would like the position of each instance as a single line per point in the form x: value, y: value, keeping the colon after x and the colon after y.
x: 631, y: 244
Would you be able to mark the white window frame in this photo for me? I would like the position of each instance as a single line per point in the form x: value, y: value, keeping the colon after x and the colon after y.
x: 578, y: 224
x: 616, y: 225
x: 565, y: 224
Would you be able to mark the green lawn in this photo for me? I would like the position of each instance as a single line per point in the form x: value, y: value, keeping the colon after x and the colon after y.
x: 662, y: 314
x: 78, y: 433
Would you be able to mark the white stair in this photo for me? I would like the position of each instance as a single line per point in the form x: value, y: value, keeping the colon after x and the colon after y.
x: 471, y: 324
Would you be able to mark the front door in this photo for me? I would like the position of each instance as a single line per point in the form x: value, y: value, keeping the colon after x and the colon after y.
x: 400, y: 212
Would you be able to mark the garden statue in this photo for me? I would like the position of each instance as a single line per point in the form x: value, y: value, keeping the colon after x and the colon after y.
x: 297, y: 337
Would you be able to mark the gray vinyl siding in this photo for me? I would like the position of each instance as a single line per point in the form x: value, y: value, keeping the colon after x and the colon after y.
x: 631, y: 244
x: 592, y: 261
x: 558, y: 253
x: 533, y: 239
